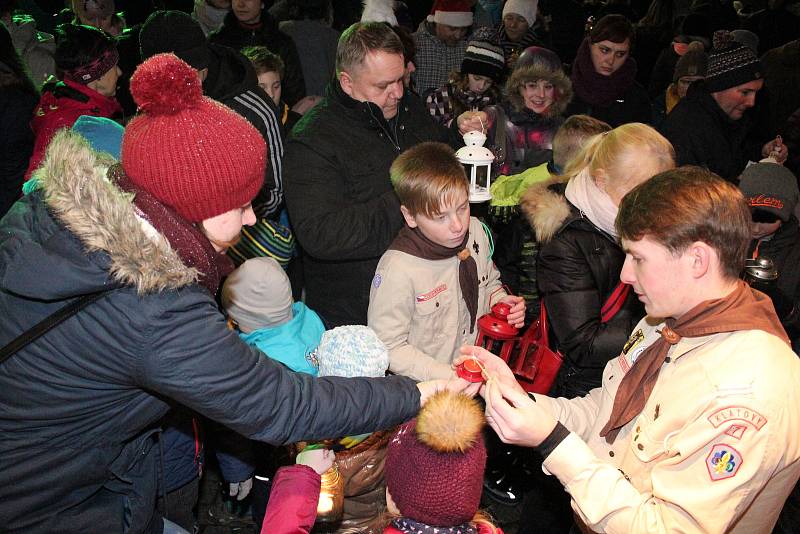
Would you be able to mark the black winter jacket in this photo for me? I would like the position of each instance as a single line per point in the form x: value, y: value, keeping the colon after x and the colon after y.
x: 577, y: 269
x: 634, y: 106
x: 702, y: 134
x: 16, y: 142
x: 783, y: 248
x: 79, y: 405
x: 343, y: 209
x: 236, y: 36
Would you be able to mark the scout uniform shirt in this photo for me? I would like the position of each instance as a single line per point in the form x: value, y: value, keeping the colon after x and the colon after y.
x: 416, y: 307
x: 716, y: 448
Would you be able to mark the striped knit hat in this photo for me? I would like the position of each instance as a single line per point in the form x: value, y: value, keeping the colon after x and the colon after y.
x: 483, y: 57
x: 730, y: 64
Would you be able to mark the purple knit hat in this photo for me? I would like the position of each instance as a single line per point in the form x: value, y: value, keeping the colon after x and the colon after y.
x: 435, y: 463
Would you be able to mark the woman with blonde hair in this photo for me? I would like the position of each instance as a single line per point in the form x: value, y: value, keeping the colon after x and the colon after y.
x: 580, y: 258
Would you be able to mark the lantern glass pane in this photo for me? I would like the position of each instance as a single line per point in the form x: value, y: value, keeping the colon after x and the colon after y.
x: 482, y: 175
x: 468, y: 171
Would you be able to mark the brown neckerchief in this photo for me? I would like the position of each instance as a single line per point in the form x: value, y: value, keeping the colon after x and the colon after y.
x: 411, y: 241
x: 192, y: 246
x: 743, y: 309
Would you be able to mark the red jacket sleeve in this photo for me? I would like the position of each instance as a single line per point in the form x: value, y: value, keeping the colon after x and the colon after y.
x: 292, y: 507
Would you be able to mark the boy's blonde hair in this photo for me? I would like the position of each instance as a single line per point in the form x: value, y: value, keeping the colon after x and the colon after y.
x: 572, y: 135
x: 612, y: 151
x: 426, y: 177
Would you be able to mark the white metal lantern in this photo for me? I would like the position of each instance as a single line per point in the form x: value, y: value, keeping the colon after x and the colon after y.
x: 477, y: 161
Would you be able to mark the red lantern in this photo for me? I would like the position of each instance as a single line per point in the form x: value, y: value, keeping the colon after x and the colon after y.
x: 493, y: 328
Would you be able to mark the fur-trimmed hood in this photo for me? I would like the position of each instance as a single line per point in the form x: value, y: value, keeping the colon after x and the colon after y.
x: 74, y: 186
x: 531, y: 73
x: 545, y: 208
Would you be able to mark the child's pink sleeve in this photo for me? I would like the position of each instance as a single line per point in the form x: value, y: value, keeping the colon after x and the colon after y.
x: 292, y: 506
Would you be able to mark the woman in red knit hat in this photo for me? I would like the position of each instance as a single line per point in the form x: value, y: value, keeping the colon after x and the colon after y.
x: 108, y: 275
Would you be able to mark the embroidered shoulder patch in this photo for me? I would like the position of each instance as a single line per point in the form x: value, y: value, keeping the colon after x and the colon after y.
x: 430, y: 294
x: 376, y: 281
x: 738, y: 414
x: 723, y: 461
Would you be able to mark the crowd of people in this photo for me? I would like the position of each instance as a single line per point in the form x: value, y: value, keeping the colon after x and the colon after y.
x: 239, y: 231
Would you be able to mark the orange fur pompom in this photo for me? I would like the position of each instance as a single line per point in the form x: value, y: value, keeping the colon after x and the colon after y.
x: 450, y: 422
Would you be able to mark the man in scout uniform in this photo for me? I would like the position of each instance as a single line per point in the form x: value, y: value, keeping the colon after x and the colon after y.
x: 696, y: 426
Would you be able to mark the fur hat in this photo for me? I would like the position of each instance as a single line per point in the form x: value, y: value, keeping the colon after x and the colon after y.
x: 730, y: 64
x: 175, y: 148
x: 483, y: 56
x: 693, y: 63
x: 537, y: 63
x: 456, y: 13
x: 352, y: 350
x: 258, y: 295
x: 524, y: 8
x: 176, y: 32
x: 435, y: 463
x: 770, y: 187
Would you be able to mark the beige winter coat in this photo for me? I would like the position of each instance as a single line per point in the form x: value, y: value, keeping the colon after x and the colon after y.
x: 716, y: 448
x: 416, y: 308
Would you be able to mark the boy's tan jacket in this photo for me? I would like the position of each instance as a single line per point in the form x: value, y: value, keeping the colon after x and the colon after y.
x: 416, y: 308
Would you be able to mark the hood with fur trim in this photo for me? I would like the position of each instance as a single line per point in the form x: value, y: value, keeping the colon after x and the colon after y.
x: 77, y: 193
x: 546, y: 208
x: 531, y: 73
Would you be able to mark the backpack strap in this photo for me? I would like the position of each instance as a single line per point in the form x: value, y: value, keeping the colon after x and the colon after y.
x: 48, y: 323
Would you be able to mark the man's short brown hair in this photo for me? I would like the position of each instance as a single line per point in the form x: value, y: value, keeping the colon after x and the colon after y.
x: 427, y: 176
x: 362, y: 38
x: 681, y: 206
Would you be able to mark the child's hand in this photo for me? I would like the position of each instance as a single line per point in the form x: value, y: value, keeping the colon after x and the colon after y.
x: 472, y: 120
x: 320, y: 460
x: 516, y: 317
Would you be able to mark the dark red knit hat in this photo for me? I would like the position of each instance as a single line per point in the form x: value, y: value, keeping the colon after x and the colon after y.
x: 192, y: 153
x: 435, y: 463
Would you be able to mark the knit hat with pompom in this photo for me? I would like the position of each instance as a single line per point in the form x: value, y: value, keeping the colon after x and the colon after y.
x: 435, y: 463
x: 730, y: 64
x: 193, y: 154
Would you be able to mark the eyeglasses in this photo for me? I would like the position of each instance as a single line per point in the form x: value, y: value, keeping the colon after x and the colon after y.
x: 762, y: 216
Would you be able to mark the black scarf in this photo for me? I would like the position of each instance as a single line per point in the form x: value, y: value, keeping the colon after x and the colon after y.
x: 411, y: 241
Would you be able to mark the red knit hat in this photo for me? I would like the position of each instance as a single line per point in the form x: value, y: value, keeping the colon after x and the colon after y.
x: 435, y: 463
x: 192, y: 153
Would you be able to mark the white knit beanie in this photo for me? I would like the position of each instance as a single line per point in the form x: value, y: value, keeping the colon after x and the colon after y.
x: 524, y: 8
x: 352, y: 350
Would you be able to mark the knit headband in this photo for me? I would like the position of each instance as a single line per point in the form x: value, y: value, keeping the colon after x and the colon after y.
x: 94, y: 69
